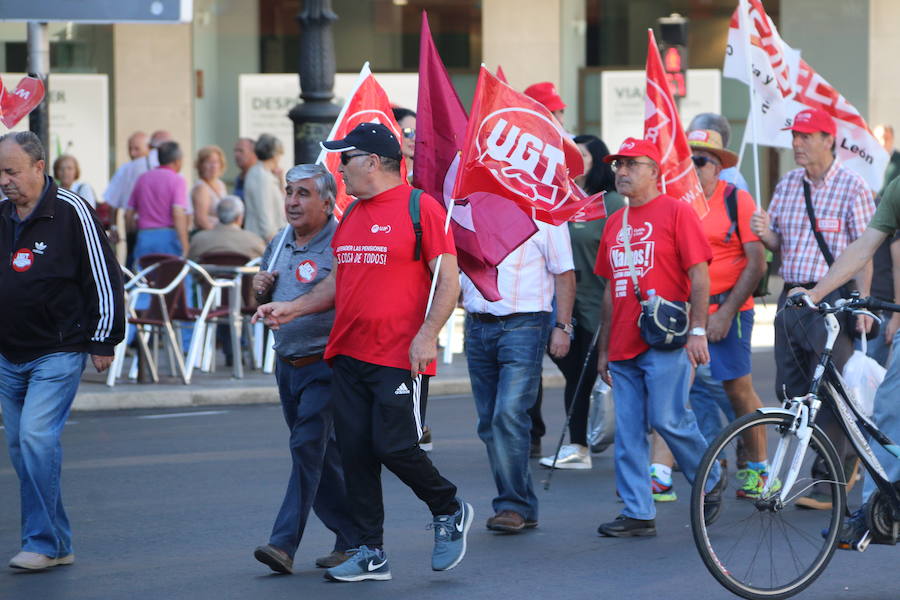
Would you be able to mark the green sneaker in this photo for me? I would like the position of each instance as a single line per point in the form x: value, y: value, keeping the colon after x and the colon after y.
x: 754, y: 482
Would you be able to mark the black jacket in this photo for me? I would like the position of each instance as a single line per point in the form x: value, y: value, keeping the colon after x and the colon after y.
x: 60, y: 284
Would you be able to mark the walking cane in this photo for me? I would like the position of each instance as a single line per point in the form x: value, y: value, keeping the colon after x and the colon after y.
x: 587, y: 361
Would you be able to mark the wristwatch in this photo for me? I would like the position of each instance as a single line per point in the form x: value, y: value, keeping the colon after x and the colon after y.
x: 567, y: 327
x: 697, y: 331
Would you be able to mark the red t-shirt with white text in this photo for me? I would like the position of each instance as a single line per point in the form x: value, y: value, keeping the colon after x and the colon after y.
x: 666, y: 240
x: 381, y: 291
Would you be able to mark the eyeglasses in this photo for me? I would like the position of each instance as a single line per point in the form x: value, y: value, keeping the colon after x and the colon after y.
x: 408, y: 132
x: 702, y: 161
x: 346, y: 158
x: 628, y: 163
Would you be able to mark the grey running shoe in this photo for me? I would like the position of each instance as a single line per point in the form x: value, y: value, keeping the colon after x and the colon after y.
x: 364, y: 563
x: 450, y: 533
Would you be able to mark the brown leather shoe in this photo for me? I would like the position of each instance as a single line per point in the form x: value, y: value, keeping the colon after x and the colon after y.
x: 508, y: 521
x: 274, y: 558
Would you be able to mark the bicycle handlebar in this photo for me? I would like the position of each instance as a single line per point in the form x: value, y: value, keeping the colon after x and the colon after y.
x: 854, y: 303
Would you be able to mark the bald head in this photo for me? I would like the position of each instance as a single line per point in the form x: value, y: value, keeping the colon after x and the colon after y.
x: 138, y: 145
x: 159, y: 136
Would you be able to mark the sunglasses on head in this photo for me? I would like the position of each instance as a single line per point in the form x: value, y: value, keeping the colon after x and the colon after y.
x: 702, y: 161
x: 409, y: 133
x: 347, y: 157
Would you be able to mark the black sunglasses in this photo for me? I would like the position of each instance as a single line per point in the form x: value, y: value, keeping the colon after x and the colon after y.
x: 346, y: 158
x: 702, y: 161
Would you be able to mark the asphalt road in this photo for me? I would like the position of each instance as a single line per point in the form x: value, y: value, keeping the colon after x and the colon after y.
x: 169, y: 505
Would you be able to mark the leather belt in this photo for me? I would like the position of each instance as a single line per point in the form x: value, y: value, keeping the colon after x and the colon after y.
x: 808, y: 285
x: 489, y: 318
x: 302, y: 361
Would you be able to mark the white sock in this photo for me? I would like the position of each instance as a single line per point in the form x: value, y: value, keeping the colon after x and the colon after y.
x: 663, y: 473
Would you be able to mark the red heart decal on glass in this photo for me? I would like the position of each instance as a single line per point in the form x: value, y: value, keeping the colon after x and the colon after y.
x: 18, y: 103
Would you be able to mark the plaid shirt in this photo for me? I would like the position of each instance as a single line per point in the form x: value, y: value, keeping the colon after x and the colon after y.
x: 843, y: 205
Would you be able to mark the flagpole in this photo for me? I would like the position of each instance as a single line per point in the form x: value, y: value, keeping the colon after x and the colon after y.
x: 437, y: 264
x: 363, y: 73
x: 743, y: 18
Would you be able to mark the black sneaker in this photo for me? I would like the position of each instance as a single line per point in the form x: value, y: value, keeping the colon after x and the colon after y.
x: 624, y: 526
x: 854, y: 533
x: 712, y: 501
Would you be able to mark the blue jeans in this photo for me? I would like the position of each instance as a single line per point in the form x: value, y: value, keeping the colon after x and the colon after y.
x: 887, y: 419
x: 156, y: 241
x: 36, y: 397
x: 707, y: 399
x: 504, y: 360
x: 317, y: 480
x: 651, y: 391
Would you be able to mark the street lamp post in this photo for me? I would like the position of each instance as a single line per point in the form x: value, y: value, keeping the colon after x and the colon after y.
x: 314, y: 116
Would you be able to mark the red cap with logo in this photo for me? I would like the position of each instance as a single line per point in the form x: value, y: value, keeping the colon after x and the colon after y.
x: 545, y: 93
x: 812, y: 120
x: 632, y: 147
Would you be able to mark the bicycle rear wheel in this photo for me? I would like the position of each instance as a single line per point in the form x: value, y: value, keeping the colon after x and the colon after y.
x: 763, y: 548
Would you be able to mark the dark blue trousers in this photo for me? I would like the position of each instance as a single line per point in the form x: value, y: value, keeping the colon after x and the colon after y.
x: 317, y: 480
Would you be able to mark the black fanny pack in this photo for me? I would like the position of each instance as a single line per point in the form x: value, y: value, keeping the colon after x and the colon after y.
x: 663, y: 324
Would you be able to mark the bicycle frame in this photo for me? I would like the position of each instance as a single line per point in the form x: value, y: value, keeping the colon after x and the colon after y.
x: 827, y: 385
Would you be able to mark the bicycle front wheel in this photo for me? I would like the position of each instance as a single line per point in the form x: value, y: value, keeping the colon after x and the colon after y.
x: 762, y: 546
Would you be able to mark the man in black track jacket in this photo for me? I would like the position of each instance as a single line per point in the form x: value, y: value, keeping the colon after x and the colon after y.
x: 61, y: 299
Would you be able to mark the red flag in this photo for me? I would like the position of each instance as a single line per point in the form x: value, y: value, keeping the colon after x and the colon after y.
x: 367, y: 104
x: 25, y: 98
x: 515, y: 148
x: 662, y: 126
x: 501, y: 75
x: 486, y: 228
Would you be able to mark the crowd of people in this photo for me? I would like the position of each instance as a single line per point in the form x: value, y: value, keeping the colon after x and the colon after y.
x: 356, y: 334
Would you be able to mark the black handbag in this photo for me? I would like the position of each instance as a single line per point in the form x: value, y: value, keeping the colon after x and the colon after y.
x: 663, y: 324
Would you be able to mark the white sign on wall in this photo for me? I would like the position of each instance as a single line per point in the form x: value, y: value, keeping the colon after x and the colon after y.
x: 622, y: 101
x: 79, y: 122
x: 265, y: 99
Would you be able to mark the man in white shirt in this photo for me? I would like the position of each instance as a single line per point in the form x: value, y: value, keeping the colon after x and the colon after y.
x: 505, y: 343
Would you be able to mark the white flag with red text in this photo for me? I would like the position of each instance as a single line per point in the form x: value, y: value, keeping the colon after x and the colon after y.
x: 785, y: 84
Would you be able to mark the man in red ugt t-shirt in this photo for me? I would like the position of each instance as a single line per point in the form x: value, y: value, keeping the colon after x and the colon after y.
x: 383, y: 347
x: 650, y: 386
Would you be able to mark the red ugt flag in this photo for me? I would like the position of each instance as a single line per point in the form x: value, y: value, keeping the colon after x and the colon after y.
x: 662, y: 126
x: 367, y: 104
x: 486, y: 227
x: 515, y: 148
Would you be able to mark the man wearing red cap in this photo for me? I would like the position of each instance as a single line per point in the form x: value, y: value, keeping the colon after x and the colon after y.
x: 545, y: 93
x: 815, y: 213
x: 655, y: 246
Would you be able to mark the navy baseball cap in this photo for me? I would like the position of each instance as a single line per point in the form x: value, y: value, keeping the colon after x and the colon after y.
x: 374, y: 138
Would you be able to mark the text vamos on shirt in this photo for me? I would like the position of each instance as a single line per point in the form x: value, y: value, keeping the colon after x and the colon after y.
x: 666, y: 240
x: 381, y: 292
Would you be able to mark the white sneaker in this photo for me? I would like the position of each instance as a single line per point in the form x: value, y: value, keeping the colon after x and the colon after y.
x: 32, y: 561
x: 571, y: 456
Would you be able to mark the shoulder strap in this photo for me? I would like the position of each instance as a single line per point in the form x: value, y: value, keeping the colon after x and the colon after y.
x: 732, y: 209
x: 823, y: 247
x: 348, y: 209
x: 415, y: 215
x: 629, y: 257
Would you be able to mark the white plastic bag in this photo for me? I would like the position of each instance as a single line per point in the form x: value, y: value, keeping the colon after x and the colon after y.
x: 601, y: 418
x: 863, y: 375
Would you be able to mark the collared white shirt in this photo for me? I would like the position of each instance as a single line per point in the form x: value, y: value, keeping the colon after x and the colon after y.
x: 526, y: 278
x: 122, y: 183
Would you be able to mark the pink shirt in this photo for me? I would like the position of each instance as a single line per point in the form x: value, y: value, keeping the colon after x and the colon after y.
x: 154, y: 195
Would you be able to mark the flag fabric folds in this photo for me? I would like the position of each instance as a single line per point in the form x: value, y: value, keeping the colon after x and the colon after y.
x: 368, y: 103
x: 486, y: 227
x: 515, y: 148
x: 785, y: 84
x: 662, y: 127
